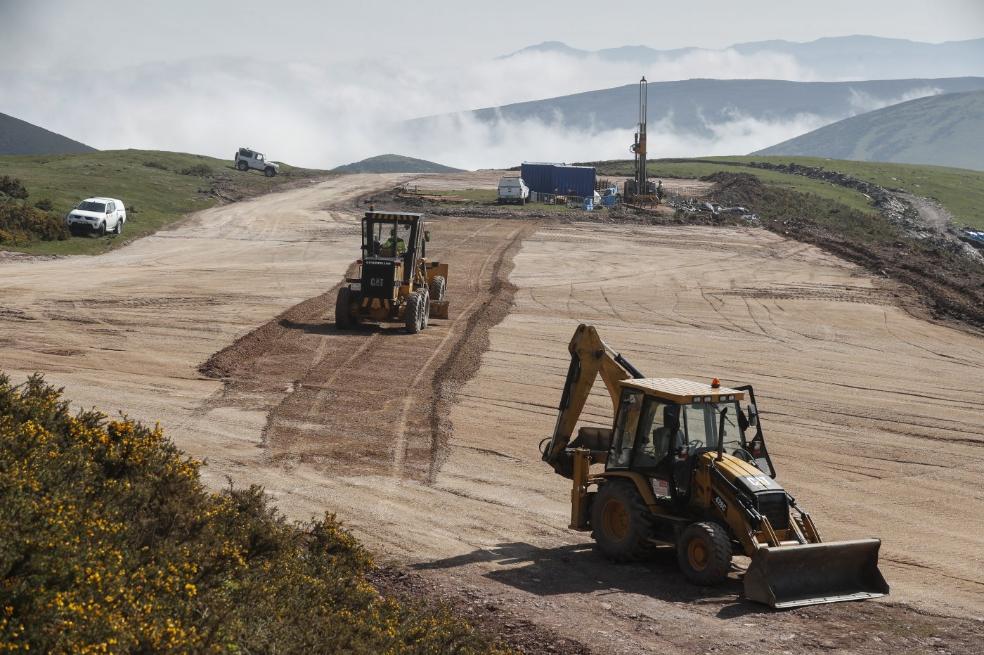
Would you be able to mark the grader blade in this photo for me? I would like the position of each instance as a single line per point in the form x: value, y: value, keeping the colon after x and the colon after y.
x: 810, y: 574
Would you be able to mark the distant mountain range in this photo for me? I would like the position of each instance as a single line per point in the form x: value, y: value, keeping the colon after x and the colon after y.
x: 19, y: 137
x: 696, y: 106
x: 394, y: 164
x: 830, y: 58
x: 947, y: 130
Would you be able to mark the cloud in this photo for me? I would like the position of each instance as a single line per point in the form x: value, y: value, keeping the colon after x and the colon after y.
x: 462, y: 141
x: 862, y: 102
x: 322, y: 116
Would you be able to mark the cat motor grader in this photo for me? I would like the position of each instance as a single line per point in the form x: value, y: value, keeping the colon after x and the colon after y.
x: 396, y: 281
x: 685, y: 465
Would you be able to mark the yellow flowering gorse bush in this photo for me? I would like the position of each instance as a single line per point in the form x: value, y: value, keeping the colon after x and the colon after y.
x: 109, y: 543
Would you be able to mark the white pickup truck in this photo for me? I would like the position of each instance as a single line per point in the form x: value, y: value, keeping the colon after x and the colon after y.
x: 99, y: 215
x: 513, y: 189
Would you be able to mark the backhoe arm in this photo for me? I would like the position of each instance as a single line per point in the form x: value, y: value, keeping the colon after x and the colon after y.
x: 590, y: 357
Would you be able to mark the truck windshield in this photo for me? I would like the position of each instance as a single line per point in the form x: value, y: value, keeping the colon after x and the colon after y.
x: 91, y: 206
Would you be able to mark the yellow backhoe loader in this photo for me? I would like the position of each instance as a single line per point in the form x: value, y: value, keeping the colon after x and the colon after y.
x: 685, y: 464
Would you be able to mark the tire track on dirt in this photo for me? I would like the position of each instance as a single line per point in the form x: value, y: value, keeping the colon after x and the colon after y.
x: 375, y: 400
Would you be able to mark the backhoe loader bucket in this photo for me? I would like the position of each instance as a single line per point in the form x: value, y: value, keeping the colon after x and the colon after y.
x: 810, y: 574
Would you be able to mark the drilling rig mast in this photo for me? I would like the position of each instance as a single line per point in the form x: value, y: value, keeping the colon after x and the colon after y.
x: 639, y: 189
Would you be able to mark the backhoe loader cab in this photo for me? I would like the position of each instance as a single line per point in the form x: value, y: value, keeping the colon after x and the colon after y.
x: 685, y: 464
x: 396, y: 281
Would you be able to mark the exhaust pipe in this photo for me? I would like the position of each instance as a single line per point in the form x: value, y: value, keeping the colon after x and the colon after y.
x: 810, y: 574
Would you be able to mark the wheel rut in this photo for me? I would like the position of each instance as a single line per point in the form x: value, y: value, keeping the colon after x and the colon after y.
x: 375, y: 400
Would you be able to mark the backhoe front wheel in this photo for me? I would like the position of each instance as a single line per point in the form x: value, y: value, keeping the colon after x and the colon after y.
x: 704, y: 553
x: 621, y: 524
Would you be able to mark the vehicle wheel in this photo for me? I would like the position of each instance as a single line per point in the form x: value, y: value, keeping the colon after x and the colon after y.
x: 704, y: 553
x: 241, y: 165
x: 621, y: 524
x: 118, y: 230
x: 412, y: 317
x: 269, y: 171
x: 438, y: 286
x: 102, y: 229
x: 343, y: 309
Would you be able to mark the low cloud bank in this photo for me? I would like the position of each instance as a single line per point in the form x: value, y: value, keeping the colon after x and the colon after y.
x: 322, y: 116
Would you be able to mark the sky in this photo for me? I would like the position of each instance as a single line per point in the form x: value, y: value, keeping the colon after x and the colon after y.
x: 426, y: 31
x: 323, y: 83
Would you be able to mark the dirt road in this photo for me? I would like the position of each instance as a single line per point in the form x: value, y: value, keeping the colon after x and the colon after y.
x: 426, y: 445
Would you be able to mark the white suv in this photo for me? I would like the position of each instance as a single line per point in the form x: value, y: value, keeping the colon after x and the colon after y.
x: 247, y: 159
x: 99, y: 215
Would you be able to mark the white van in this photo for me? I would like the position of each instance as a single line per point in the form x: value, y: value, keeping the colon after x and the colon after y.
x: 99, y: 215
x: 513, y: 189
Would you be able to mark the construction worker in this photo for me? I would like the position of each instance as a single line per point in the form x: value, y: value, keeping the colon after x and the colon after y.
x: 394, y: 240
x: 659, y: 189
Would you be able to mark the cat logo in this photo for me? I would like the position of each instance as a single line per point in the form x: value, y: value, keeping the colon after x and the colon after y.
x: 721, y: 505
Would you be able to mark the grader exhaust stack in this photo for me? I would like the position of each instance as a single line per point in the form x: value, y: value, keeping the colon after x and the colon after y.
x: 812, y: 574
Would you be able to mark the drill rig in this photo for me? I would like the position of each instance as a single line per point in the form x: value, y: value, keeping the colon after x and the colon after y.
x: 640, y: 190
x: 685, y: 465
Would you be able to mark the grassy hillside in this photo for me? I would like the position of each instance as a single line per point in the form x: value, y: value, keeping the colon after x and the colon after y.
x: 112, y: 544
x: 946, y: 130
x: 961, y: 191
x: 19, y: 137
x: 157, y: 188
x: 394, y: 164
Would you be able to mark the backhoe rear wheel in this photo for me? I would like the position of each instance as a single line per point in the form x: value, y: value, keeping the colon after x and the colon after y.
x: 704, y: 553
x: 343, y: 309
x: 621, y: 524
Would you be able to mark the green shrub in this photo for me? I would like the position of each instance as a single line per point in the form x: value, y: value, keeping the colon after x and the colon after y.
x: 44, y: 204
x: 112, y: 544
x: 155, y: 164
x: 198, y: 170
x: 21, y: 224
x: 12, y: 187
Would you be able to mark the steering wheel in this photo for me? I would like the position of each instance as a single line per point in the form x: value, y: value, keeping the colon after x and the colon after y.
x: 743, y: 454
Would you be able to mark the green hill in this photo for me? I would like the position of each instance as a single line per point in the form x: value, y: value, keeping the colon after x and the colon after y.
x: 156, y: 187
x: 960, y: 191
x: 945, y: 130
x: 19, y: 137
x: 394, y: 164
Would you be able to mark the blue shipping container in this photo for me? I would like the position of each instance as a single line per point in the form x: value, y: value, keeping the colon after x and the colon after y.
x: 574, y: 180
x: 538, y: 177
x: 559, y: 179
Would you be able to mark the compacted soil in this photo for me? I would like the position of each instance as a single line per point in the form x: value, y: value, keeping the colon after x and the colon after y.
x: 222, y: 329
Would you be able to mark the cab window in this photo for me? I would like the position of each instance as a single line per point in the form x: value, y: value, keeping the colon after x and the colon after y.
x: 659, y: 433
x: 702, y: 421
x: 623, y: 439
